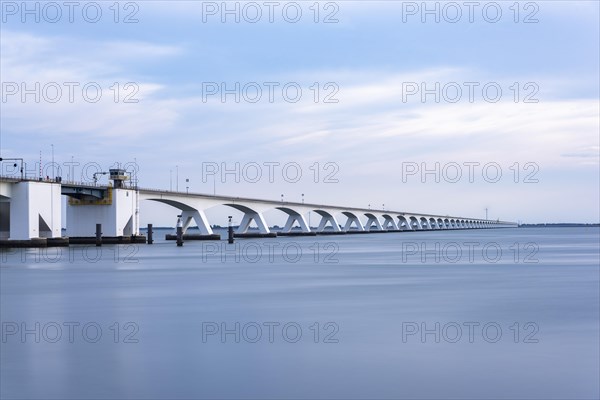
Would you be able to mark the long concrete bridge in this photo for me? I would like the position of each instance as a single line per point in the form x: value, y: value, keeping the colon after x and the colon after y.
x: 33, y: 208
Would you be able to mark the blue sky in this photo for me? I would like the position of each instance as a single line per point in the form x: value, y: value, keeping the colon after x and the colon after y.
x: 371, y: 133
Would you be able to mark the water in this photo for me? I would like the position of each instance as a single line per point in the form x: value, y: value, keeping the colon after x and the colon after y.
x: 371, y: 296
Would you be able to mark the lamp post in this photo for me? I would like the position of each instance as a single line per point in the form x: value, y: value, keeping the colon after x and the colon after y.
x: 177, y: 178
x: 72, y: 178
x: 187, y: 187
x: 282, y: 198
x: 302, y: 198
x: 95, y: 176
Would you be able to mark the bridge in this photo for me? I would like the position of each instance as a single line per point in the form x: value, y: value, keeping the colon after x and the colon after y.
x: 32, y: 209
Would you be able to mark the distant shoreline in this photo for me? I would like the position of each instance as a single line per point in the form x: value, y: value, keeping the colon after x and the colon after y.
x: 559, y: 225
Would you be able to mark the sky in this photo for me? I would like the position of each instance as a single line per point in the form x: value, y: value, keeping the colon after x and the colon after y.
x: 440, y: 107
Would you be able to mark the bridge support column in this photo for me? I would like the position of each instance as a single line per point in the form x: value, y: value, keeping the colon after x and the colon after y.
x: 404, y: 223
x: 257, y: 218
x: 415, y: 223
x: 387, y: 221
x: 199, y: 217
x: 371, y: 219
x: 352, y: 219
x: 118, y: 215
x: 35, y: 210
x: 293, y: 218
x: 332, y: 220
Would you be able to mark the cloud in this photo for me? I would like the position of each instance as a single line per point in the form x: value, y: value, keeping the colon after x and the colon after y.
x: 369, y: 132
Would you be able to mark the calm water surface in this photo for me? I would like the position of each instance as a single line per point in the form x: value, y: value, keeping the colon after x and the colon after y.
x: 505, y: 313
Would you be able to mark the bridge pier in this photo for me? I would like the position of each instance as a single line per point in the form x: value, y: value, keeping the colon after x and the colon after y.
x: 372, y: 219
x: 34, y: 210
x: 433, y: 224
x: 325, y: 219
x: 403, y: 223
x: 424, y: 223
x: 294, y: 217
x: 352, y: 219
x: 117, y: 213
x: 258, y: 218
x: 198, y: 216
x: 389, y: 221
x: 415, y: 225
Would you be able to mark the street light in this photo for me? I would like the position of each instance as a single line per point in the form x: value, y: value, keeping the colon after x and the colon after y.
x: 282, y: 198
x: 177, y: 178
x: 95, y: 176
x: 187, y: 188
x: 302, y: 198
x: 72, y: 179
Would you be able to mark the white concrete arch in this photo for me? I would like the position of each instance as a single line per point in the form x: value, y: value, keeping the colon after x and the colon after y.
x: 372, y: 219
x: 404, y: 223
x: 174, y: 203
x: 389, y: 223
x: 192, y: 209
x: 293, y: 217
x: 250, y: 215
x: 352, y: 218
x: 415, y: 224
x: 327, y: 217
x: 188, y: 214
